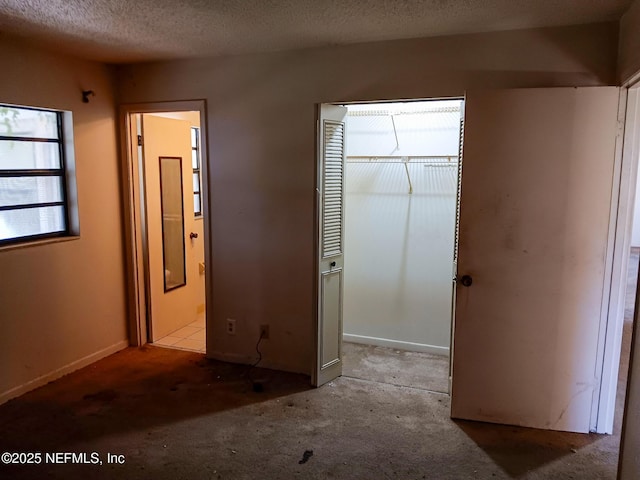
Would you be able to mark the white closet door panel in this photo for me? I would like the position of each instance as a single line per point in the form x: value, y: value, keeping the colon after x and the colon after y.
x: 331, y: 158
x: 534, y: 220
x: 332, y: 188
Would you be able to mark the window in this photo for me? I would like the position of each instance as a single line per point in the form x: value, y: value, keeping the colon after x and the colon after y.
x: 195, y: 163
x: 33, y: 176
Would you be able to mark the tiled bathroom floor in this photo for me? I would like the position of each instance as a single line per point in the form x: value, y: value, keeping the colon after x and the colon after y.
x: 191, y: 337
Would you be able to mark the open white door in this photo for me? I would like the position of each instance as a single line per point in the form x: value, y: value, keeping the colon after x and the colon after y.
x: 331, y: 157
x: 535, y: 205
x: 173, y: 276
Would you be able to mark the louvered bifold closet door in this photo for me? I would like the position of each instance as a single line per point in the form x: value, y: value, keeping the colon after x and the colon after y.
x: 333, y: 182
x: 456, y: 240
x: 459, y: 188
x: 331, y: 159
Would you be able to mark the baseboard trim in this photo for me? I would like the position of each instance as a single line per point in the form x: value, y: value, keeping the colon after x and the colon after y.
x: 62, y: 371
x: 397, y: 344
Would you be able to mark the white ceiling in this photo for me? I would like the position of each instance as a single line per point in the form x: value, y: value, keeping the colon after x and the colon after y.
x: 137, y: 30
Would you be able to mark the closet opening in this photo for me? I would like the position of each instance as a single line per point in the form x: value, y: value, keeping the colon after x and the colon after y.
x: 401, y: 189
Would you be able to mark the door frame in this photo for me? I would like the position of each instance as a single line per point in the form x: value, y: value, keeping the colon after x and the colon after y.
x: 317, y: 221
x: 134, y: 233
x: 620, y: 229
x: 627, y: 462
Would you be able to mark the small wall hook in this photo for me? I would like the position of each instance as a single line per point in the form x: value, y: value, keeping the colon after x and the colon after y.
x: 86, y: 94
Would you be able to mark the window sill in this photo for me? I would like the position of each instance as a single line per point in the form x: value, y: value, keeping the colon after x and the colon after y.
x: 37, y: 243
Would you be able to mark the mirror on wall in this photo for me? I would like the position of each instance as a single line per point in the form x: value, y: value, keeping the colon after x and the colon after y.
x: 173, y: 245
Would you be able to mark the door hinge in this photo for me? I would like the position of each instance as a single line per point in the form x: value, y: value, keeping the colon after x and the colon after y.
x: 139, y: 140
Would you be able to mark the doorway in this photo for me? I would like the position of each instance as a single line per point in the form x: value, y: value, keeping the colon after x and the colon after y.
x: 388, y: 185
x: 401, y: 184
x: 518, y: 317
x: 166, y: 153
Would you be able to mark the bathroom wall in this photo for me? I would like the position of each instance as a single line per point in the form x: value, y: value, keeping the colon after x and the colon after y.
x: 196, y: 244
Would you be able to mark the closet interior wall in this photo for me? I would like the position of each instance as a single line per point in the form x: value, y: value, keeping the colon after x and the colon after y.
x: 400, y: 197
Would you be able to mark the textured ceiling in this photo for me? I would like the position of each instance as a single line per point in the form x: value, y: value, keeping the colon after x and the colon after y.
x: 138, y: 30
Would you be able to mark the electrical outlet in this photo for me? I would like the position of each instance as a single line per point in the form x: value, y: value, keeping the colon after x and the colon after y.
x: 231, y: 326
x: 264, y: 332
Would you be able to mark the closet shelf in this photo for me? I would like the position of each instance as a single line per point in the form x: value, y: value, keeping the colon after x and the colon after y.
x: 435, y: 160
x: 428, y: 161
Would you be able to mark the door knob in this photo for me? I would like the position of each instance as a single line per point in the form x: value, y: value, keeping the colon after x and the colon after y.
x: 193, y: 235
x: 332, y: 264
x: 466, y: 280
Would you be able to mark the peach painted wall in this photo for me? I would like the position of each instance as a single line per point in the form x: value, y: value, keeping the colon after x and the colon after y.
x: 63, y: 304
x: 198, y: 224
x: 261, y: 132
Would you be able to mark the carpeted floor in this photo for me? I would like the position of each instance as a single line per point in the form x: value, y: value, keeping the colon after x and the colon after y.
x: 174, y: 415
x: 170, y: 414
x: 396, y: 367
